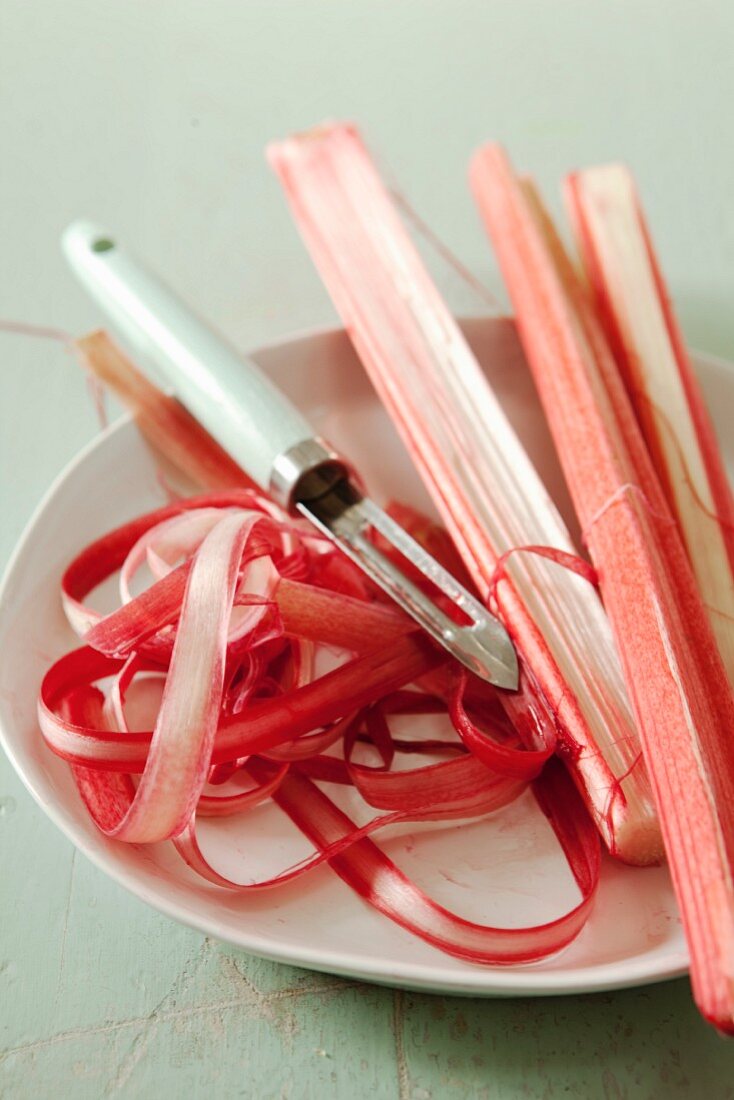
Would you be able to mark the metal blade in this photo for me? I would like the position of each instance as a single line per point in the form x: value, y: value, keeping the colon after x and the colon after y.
x: 484, y: 646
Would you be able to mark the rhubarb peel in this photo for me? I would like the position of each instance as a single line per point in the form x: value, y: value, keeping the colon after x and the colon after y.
x: 202, y: 686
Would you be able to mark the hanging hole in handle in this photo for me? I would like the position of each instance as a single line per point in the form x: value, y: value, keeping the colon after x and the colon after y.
x: 102, y: 244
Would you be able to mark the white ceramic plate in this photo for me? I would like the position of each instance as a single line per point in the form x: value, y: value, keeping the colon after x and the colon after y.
x: 506, y: 870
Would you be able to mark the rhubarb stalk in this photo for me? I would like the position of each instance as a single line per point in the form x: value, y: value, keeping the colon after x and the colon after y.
x: 490, y: 497
x: 678, y: 686
x: 643, y: 333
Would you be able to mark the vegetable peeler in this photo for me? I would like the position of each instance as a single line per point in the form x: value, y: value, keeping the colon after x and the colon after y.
x: 269, y: 438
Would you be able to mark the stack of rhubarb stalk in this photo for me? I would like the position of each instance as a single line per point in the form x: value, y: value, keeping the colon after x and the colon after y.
x: 643, y: 469
x: 626, y: 641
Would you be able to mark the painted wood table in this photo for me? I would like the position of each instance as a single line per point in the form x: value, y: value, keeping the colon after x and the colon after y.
x: 153, y: 117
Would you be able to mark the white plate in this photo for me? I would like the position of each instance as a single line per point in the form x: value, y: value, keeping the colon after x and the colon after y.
x: 505, y: 870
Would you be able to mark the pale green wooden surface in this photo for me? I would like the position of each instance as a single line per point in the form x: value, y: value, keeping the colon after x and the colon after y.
x: 152, y: 116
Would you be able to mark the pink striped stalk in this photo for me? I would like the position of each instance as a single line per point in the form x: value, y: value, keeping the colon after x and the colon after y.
x: 677, y: 683
x: 643, y: 333
x: 488, y: 493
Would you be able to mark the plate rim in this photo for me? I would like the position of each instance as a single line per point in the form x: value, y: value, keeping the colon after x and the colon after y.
x: 487, y: 981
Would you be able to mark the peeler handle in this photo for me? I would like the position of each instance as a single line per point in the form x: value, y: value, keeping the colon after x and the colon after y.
x: 228, y: 394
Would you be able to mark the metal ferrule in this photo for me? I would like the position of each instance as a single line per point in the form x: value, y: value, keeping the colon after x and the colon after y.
x: 306, y: 472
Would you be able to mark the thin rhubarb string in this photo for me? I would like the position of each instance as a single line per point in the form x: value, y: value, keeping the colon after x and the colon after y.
x: 242, y: 710
x: 725, y: 524
x: 59, y: 336
x: 619, y: 495
x: 489, y: 300
x: 573, y: 562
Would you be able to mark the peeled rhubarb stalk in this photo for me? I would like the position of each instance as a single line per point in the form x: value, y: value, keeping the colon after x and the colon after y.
x: 681, y: 696
x: 643, y: 333
x: 508, y: 531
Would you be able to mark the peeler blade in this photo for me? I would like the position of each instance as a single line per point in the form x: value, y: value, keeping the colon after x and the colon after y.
x: 482, y: 645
